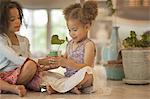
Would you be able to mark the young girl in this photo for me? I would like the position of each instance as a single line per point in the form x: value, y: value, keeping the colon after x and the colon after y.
x: 80, y: 50
x: 17, y: 71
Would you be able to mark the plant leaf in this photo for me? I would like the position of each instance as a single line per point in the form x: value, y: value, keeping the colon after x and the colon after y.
x: 55, y: 40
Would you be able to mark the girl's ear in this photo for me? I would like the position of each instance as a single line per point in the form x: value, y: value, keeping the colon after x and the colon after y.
x: 87, y: 26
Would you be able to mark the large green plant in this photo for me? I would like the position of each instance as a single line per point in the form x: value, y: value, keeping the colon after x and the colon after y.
x: 133, y: 41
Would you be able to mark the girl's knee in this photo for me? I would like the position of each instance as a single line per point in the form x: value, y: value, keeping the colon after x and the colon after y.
x: 30, y: 65
x: 88, y: 76
x: 87, y: 81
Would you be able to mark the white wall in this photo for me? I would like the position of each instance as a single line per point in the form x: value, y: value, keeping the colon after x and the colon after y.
x: 126, y: 25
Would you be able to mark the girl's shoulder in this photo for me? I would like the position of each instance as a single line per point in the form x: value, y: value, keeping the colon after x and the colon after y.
x: 89, y: 44
x: 3, y: 39
x: 22, y: 38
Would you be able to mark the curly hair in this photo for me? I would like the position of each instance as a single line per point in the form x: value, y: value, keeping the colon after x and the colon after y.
x: 4, y: 14
x: 85, y: 14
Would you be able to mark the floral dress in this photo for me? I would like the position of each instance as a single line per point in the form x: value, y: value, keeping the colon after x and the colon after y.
x: 77, y: 55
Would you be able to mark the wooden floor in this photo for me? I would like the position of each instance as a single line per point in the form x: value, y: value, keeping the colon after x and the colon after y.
x: 119, y: 91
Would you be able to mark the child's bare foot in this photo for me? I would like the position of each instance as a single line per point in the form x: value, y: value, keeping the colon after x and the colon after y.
x: 20, y: 90
x: 75, y: 90
x: 50, y: 90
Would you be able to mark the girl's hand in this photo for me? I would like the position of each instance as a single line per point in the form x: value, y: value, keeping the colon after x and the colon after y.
x: 63, y: 62
x: 48, y: 63
x: 49, y: 67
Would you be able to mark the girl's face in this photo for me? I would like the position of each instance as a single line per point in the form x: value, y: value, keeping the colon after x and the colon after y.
x: 77, y: 30
x: 14, y: 20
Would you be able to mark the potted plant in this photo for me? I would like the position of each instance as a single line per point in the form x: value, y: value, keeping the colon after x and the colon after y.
x: 56, y: 41
x: 112, y: 58
x: 110, y: 7
x: 53, y: 53
x: 135, y: 58
x: 114, y: 70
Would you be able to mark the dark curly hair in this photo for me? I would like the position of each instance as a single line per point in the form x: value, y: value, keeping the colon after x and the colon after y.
x: 85, y: 14
x: 5, y: 6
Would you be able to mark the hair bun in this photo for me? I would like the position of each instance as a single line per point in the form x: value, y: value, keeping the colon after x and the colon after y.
x: 69, y: 9
x: 90, y: 10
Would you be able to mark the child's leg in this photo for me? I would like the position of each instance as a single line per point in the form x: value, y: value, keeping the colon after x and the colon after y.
x: 18, y: 89
x: 75, y: 90
x: 27, y: 72
x: 50, y: 90
x: 86, y: 82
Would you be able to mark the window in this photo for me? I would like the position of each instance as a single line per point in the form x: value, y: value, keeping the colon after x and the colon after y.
x: 58, y: 26
x: 35, y: 29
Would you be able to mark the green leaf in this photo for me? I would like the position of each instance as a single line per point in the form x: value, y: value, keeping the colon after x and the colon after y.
x: 55, y: 40
x: 132, y: 41
x: 132, y: 34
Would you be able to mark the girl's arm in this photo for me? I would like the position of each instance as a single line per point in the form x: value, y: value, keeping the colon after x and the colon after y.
x: 28, y: 48
x: 65, y: 55
x: 10, y: 54
x: 89, y: 56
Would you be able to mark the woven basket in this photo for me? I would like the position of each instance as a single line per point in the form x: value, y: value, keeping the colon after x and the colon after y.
x: 136, y: 64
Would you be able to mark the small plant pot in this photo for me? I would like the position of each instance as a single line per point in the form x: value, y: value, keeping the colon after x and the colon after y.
x: 136, y: 65
x: 53, y: 53
x: 114, y: 71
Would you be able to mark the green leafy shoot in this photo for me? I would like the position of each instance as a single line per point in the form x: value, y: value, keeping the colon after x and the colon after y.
x: 132, y: 40
x: 55, y: 40
x: 110, y: 5
x: 145, y: 39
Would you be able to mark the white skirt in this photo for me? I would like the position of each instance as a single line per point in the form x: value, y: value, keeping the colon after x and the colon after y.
x: 62, y: 84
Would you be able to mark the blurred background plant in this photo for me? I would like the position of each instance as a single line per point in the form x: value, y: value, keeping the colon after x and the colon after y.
x: 110, y: 6
x: 133, y: 41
